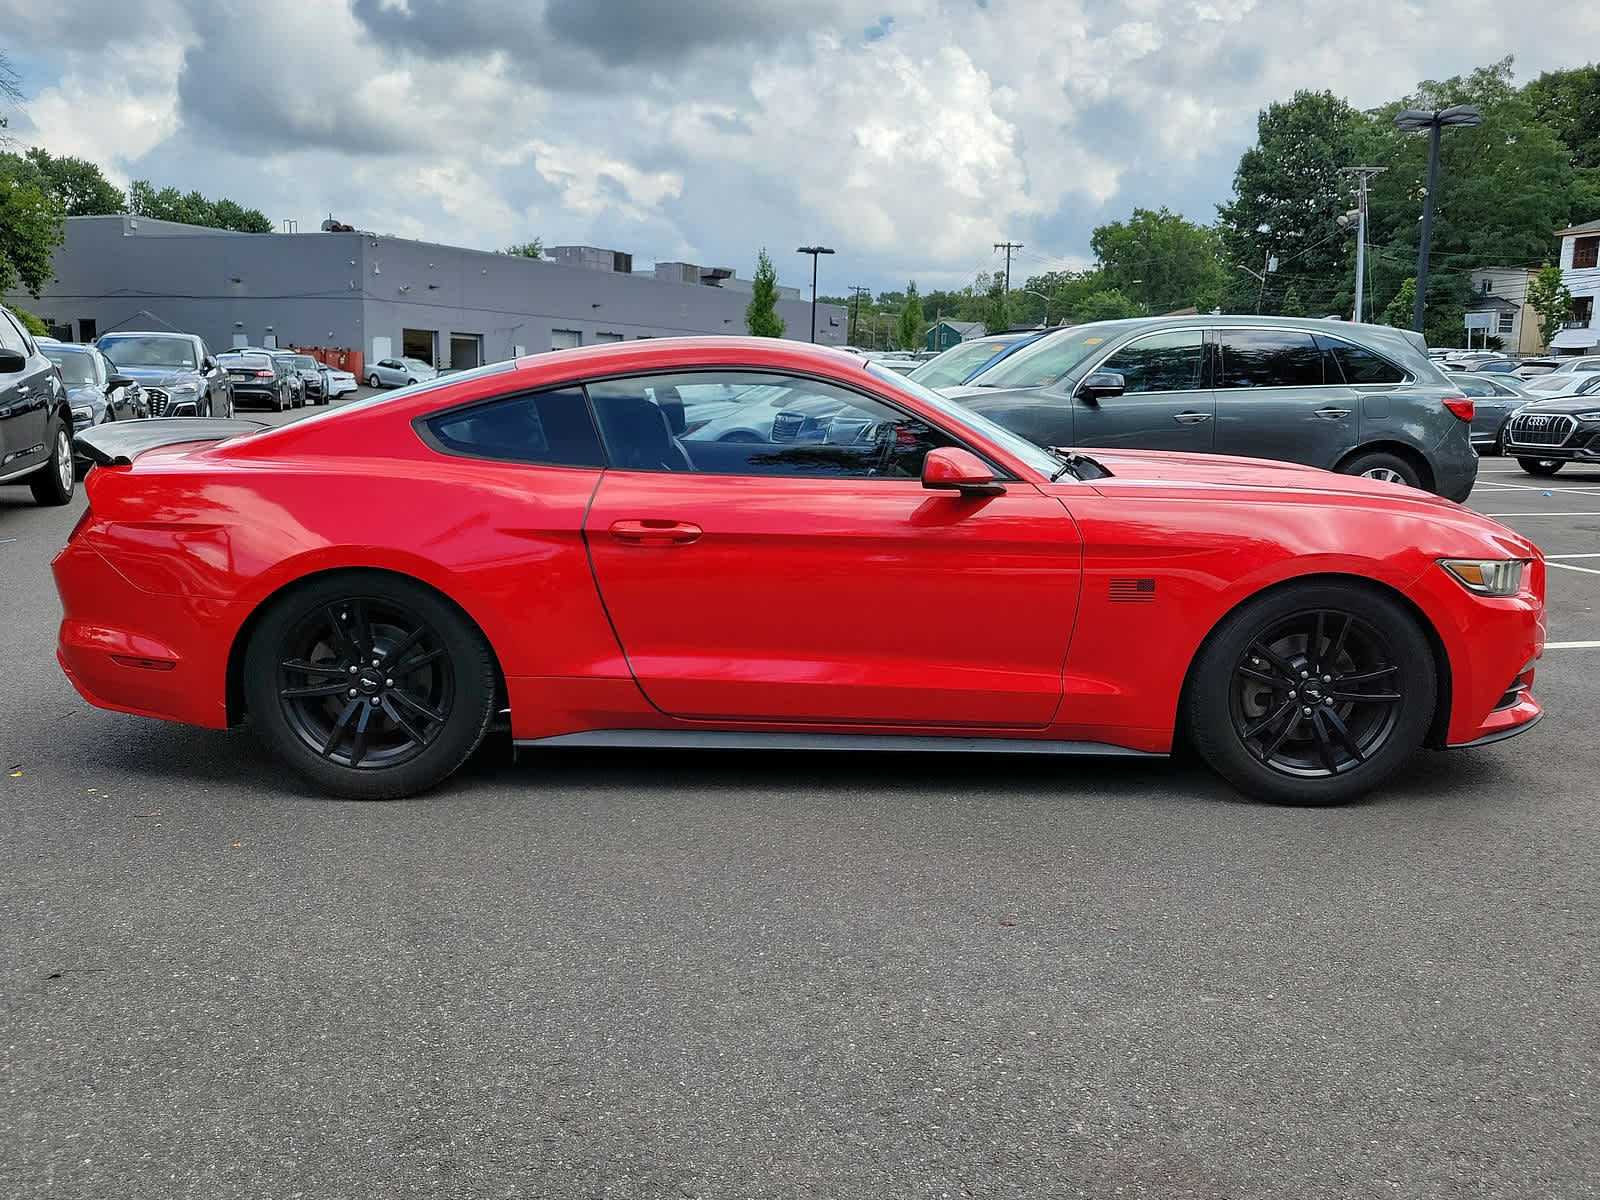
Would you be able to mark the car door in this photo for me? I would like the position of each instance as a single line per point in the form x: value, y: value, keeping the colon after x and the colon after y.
x: 1280, y: 396
x: 1167, y: 402
x: 25, y: 397
x: 814, y: 580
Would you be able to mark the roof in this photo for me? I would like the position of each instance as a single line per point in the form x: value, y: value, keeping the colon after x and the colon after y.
x: 962, y: 326
x: 1487, y: 300
x: 1586, y: 227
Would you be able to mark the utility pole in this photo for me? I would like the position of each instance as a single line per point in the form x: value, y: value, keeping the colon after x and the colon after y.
x: 1362, y: 174
x: 814, y: 251
x: 856, y: 292
x: 1008, y: 247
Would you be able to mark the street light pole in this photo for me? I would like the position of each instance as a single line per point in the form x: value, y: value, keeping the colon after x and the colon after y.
x: 1042, y: 296
x: 814, y: 251
x: 1415, y: 121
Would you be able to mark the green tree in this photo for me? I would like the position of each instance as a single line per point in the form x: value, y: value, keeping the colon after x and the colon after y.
x: 30, y: 322
x: 761, y: 314
x: 1401, y: 309
x: 1160, y: 259
x: 1288, y: 191
x: 192, y: 208
x: 1548, y: 296
x: 1569, y: 103
x: 910, y: 324
x: 533, y: 249
x: 75, y: 185
x: 1292, y: 305
x: 30, y: 230
x: 1108, y: 305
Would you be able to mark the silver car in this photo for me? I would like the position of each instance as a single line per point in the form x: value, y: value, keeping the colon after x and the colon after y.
x: 398, y: 372
x: 1494, y: 399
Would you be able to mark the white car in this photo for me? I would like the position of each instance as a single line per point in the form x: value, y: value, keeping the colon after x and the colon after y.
x: 340, y: 383
x: 398, y: 372
x: 1562, y: 382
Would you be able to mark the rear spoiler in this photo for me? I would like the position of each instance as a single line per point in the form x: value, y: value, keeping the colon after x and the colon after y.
x: 118, y: 443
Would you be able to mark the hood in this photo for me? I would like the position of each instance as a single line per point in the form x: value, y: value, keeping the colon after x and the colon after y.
x: 973, y: 395
x: 1171, y: 469
x: 163, y: 377
x: 1562, y: 405
x: 80, y: 394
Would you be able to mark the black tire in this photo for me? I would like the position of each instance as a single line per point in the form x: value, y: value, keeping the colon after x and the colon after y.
x: 373, y: 381
x: 350, y: 619
x: 1388, y: 467
x: 1543, y: 467
x: 1246, y: 700
x: 52, y: 484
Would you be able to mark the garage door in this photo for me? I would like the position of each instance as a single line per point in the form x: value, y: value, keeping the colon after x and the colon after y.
x: 565, y: 339
x: 466, y: 350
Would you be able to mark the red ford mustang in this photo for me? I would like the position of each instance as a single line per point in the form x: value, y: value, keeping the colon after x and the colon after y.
x: 568, y: 542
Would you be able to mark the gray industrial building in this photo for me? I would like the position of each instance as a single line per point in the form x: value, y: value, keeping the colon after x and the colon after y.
x: 359, y: 296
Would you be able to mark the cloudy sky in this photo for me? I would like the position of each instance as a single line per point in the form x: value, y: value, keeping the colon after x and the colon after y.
x: 911, y: 135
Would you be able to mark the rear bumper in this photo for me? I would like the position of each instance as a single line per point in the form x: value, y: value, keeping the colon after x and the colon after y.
x: 1455, y: 465
x: 128, y: 650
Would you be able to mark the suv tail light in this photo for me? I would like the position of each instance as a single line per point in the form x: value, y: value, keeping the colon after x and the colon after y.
x: 1462, y: 406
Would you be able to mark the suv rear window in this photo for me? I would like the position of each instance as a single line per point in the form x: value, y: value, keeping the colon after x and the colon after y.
x: 1358, y: 364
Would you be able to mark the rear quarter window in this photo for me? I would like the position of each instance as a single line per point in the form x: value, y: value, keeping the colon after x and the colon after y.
x: 1358, y: 364
x: 551, y: 428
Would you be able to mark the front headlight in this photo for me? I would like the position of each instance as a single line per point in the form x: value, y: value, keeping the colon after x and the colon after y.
x: 1594, y: 416
x: 184, y: 391
x: 1487, y: 577
x: 83, y: 414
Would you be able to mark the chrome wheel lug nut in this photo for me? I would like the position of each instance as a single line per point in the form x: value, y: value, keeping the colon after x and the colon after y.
x: 1306, y: 710
x: 352, y: 693
x: 1305, y: 674
x: 1327, y: 679
x: 1293, y: 695
x: 388, y: 683
x: 355, y: 670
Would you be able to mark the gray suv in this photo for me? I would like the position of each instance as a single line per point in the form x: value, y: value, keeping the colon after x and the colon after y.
x: 1361, y: 399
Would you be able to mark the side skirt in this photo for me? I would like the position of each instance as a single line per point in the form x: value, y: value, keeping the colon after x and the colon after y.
x: 701, y: 739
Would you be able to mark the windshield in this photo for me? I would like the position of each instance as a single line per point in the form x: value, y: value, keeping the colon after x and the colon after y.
x: 1048, y: 359
x: 305, y: 360
x: 955, y: 364
x: 74, y: 365
x: 136, y: 351
x: 1039, y: 459
x: 417, y: 362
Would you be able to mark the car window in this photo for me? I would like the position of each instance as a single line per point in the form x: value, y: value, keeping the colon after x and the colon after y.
x: 1170, y: 361
x: 1268, y: 358
x: 820, y: 430
x: 10, y: 335
x: 547, y: 428
x: 1357, y: 364
x: 1473, y: 387
x: 135, y: 351
x: 955, y: 364
x: 1043, y: 362
x: 77, y: 369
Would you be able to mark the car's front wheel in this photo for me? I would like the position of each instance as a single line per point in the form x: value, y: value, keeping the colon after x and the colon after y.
x: 373, y: 381
x: 1312, y: 694
x: 370, y: 686
x: 1542, y: 467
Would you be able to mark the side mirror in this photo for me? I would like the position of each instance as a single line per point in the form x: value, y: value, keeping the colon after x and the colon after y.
x: 11, y: 362
x: 950, y: 468
x: 119, y: 381
x: 1101, y: 384
x: 210, y: 364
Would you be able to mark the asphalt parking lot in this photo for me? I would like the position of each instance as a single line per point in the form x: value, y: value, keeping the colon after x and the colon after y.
x: 684, y: 975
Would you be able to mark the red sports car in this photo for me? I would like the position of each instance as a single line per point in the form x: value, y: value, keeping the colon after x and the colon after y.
x: 564, y: 543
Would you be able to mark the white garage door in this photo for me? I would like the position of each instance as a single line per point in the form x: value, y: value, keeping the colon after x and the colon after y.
x: 565, y: 339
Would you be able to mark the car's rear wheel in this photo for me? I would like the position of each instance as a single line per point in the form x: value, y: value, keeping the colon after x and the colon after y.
x: 1540, y: 466
x: 53, y: 483
x: 1390, y: 468
x: 1312, y: 694
x: 373, y: 381
x: 370, y: 686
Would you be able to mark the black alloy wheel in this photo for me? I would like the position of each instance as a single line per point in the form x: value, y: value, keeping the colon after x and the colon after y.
x: 372, y: 687
x: 1313, y: 694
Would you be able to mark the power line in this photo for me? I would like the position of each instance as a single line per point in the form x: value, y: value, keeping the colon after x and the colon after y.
x: 1008, y: 247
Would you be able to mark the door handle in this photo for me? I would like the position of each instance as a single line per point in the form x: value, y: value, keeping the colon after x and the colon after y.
x: 650, y: 532
x: 1190, y: 418
x: 1332, y: 414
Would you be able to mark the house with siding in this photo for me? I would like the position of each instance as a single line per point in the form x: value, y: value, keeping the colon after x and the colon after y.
x: 1580, y: 271
x: 1503, y: 293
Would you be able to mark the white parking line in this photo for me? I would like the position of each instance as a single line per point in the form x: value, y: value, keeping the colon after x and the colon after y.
x: 1549, y: 556
x: 1502, y: 516
x: 1570, y: 567
x: 1571, y: 645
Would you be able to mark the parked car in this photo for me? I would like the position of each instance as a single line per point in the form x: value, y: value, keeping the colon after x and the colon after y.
x: 1358, y: 399
x: 398, y: 372
x: 35, y: 417
x: 1558, y: 383
x: 1305, y: 631
x: 1546, y: 435
x: 962, y: 361
x: 297, y: 381
x: 1494, y: 399
x: 95, y: 390
x: 1497, y: 366
x: 1532, y: 368
x: 340, y: 383
x: 177, y: 372
x: 260, y: 378
x: 311, y: 375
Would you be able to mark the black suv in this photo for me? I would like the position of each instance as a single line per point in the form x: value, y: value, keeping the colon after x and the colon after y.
x: 1547, y: 434
x: 1360, y: 399
x: 35, y: 418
